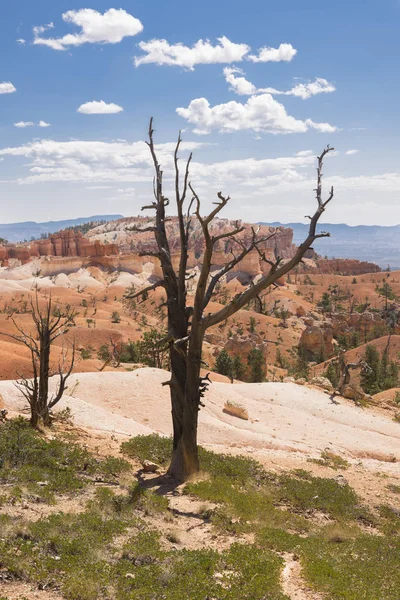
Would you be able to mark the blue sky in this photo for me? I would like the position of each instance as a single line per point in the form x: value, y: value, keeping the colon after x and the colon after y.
x: 312, y: 73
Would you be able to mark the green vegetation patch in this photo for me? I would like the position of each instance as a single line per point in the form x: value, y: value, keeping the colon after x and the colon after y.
x: 46, y: 467
x: 109, y: 551
x: 330, y: 459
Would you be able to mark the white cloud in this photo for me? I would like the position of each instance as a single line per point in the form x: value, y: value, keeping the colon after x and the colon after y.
x: 97, y: 187
x: 351, y: 152
x: 306, y: 90
x: 21, y: 41
x: 126, y: 192
x: 240, y: 85
x: 6, y: 87
x: 22, y: 124
x: 260, y: 114
x: 305, y: 153
x: 203, y: 52
x: 285, y: 52
x: 93, y: 162
x: 99, y: 108
x: 96, y: 28
x: 42, y: 28
x: 322, y: 127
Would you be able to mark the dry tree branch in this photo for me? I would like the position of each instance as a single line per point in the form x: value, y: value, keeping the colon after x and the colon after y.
x: 150, y: 288
x: 279, y: 270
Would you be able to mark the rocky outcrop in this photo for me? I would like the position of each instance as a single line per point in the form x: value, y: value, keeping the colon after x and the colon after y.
x: 241, y: 345
x: 323, y: 383
x: 316, y: 342
x: 341, y: 266
x: 99, y: 245
x: 367, y: 324
x: 62, y: 244
x: 236, y: 409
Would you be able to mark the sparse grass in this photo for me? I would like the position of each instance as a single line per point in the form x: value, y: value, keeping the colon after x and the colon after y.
x: 109, y: 551
x: 321, y: 494
x: 364, y: 568
x: 47, y: 467
x: 331, y: 460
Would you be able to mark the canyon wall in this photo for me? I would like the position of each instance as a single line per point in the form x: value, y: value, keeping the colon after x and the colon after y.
x: 115, y: 246
x: 62, y: 244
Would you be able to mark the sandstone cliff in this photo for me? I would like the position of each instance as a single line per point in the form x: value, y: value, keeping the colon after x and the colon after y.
x: 115, y: 246
x: 65, y: 243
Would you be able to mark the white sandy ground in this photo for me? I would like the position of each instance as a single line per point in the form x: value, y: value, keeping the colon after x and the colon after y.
x: 284, y: 417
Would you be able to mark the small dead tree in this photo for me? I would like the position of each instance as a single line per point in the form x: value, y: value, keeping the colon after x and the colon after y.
x: 187, y: 325
x: 49, y: 323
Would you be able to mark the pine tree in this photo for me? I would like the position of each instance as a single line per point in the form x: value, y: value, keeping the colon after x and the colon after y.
x: 332, y: 373
x: 256, y: 364
x: 224, y: 364
x: 370, y: 378
x: 239, y: 369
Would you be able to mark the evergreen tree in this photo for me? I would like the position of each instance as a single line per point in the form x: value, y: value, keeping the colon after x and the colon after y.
x: 224, y: 364
x: 301, y: 367
x: 325, y: 303
x: 370, y: 377
x: 332, y: 373
x: 239, y: 369
x: 256, y: 364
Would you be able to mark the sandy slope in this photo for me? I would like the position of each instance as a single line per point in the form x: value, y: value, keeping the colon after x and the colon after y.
x: 284, y: 417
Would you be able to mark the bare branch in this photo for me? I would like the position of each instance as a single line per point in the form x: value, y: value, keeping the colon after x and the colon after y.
x: 150, y: 288
x: 229, y: 234
x: 278, y: 270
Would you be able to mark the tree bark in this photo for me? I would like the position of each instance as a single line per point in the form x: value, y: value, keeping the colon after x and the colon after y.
x: 185, y: 411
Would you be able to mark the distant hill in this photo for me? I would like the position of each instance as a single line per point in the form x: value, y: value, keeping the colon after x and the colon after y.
x: 18, y: 232
x: 373, y: 243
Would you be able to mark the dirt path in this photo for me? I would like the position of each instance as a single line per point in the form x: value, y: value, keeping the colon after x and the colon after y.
x: 292, y: 582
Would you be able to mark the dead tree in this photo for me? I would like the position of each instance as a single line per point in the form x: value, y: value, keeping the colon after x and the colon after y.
x: 187, y: 325
x: 49, y: 323
x: 345, y: 387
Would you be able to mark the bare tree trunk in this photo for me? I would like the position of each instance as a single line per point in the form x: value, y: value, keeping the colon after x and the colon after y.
x: 178, y: 385
x: 185, y: 458
x: 187, y: 325
x: 44, y: 378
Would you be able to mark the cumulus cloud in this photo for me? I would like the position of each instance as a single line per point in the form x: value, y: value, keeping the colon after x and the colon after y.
x: 161, y: 52
x: 93, y: 162
x: 240, y: 85
x: 6, y: 87
x: 260, y: 113
x: 99, y: 108
x: 39, y: 29
x: 203, y: 52
x: 23, y: 124
x: 21, y: 41
x: 351, y: 152
x: 285, y: 52
x: 96, y: 28
x: 306, y: 90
